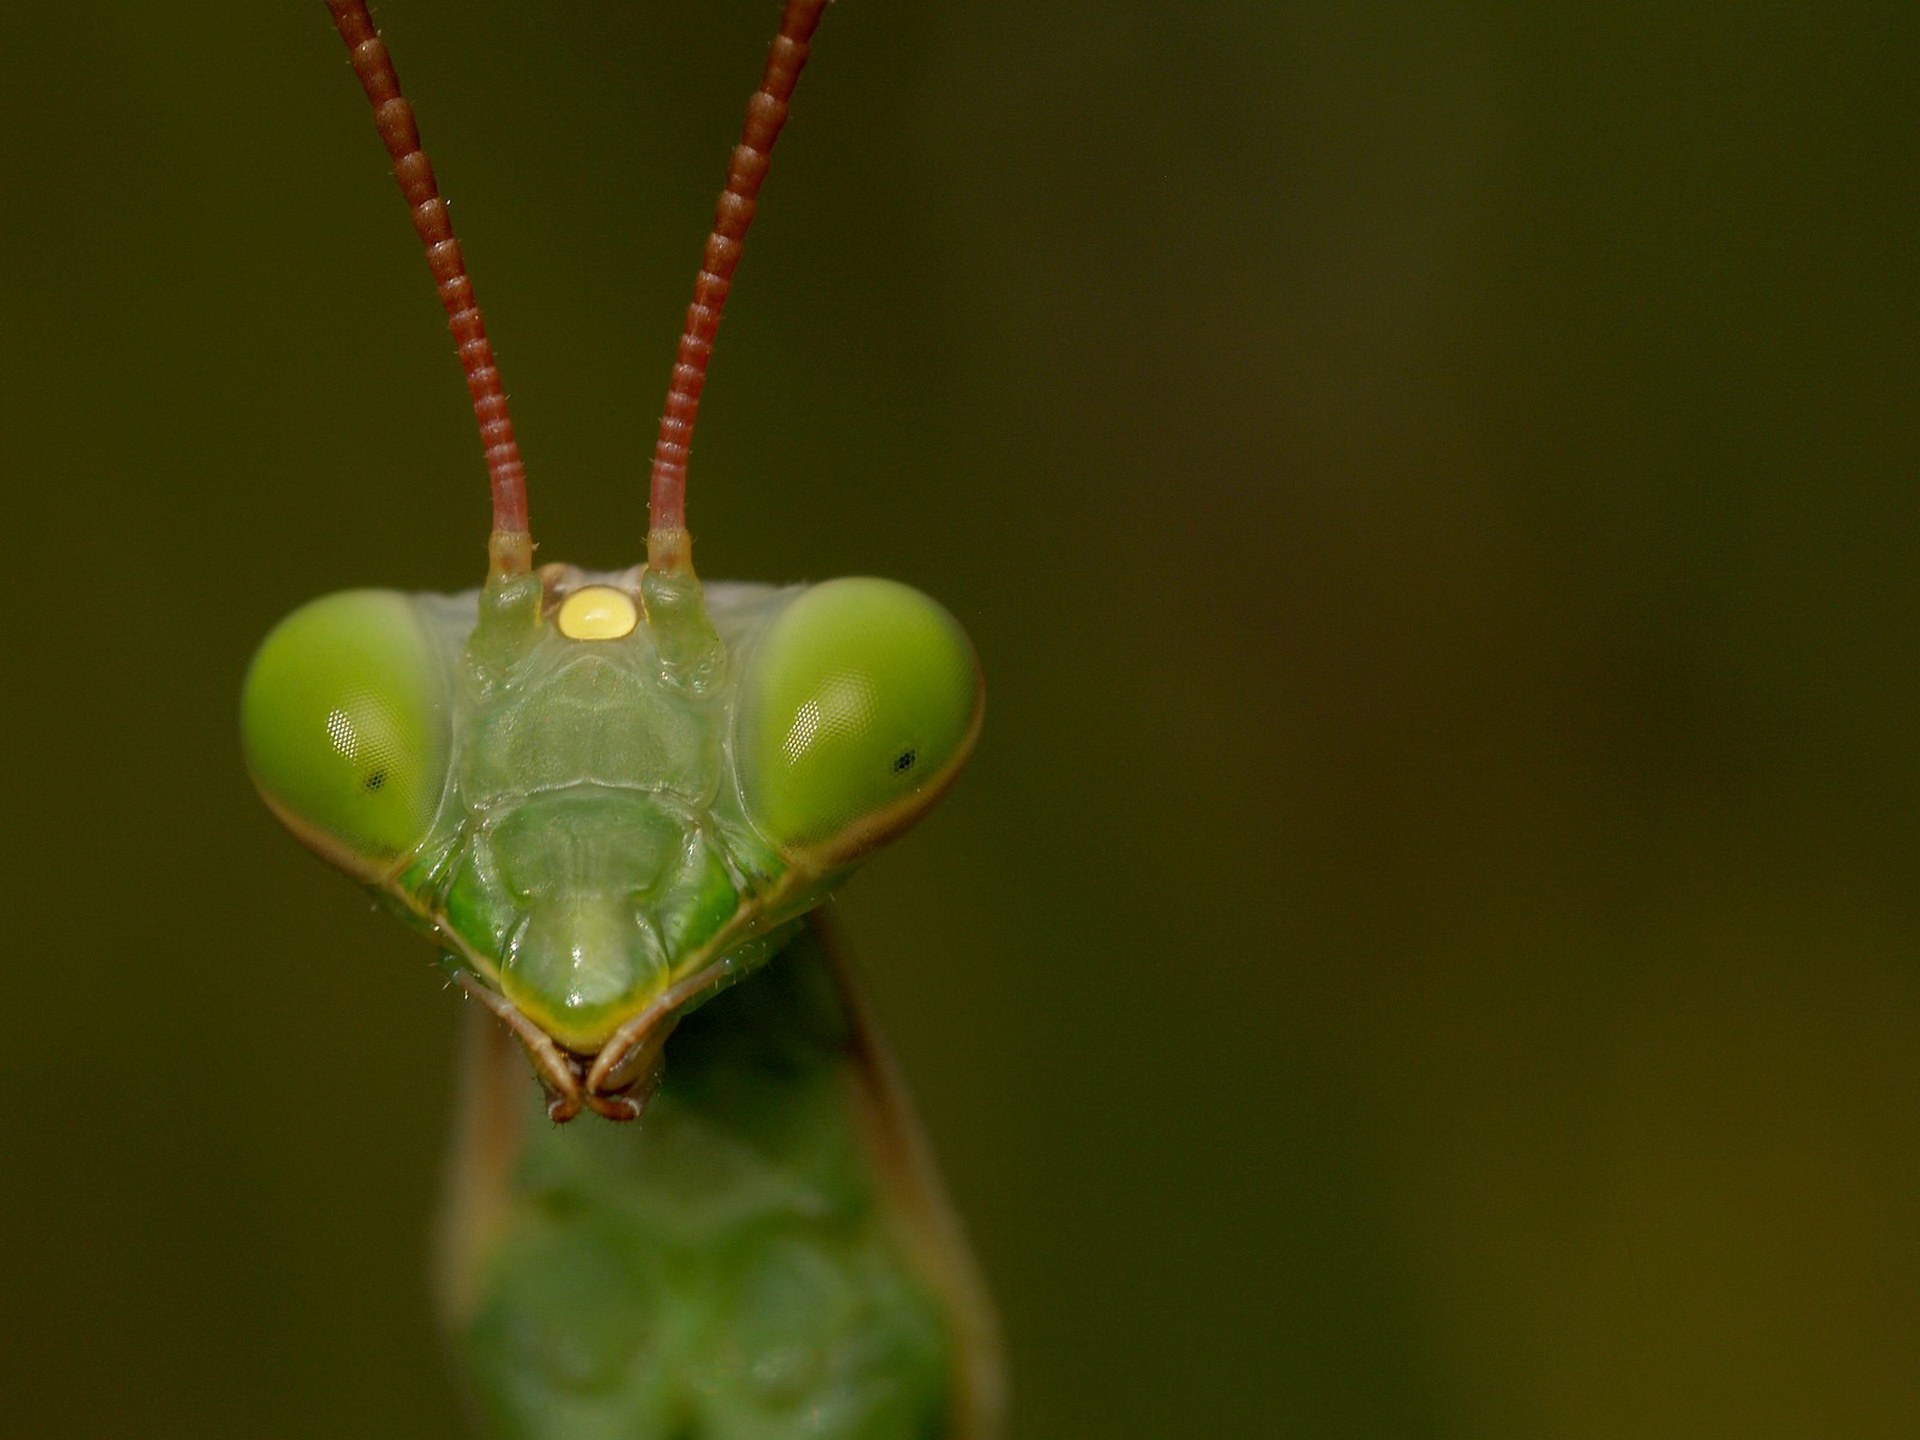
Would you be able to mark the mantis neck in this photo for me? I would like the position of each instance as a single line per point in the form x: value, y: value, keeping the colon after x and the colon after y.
x: 764, y: 1254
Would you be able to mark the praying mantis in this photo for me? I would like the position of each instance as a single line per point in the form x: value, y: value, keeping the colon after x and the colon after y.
x: 613, y: 802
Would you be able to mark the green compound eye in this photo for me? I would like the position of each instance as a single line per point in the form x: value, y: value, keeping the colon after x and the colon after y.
x: 345, y: 722
x: 857, y: 709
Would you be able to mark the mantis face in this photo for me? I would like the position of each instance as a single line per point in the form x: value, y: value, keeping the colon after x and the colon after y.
x: 605, y: 805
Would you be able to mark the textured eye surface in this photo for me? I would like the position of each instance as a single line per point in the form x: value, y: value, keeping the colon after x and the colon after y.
x: 857, y: 708
x: 346, y: 727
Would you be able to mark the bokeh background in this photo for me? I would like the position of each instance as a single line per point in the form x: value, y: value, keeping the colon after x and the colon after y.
x: 1427, y: 944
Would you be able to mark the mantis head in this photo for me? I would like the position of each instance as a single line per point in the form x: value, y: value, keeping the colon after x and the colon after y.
x: 605, y: 796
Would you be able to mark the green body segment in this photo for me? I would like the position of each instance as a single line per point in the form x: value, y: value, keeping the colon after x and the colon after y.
x: 750, y: 1262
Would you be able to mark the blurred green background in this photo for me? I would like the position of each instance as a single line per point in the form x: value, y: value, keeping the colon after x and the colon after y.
x: 1427, y: 945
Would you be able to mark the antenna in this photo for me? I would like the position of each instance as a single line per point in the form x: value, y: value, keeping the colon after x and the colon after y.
x: 668, y: 548
x: 511, y: 547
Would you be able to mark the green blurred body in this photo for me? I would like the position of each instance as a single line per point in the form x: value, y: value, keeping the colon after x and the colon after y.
x: 732, y: 1268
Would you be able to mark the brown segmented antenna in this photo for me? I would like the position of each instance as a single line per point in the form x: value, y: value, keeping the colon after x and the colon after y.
x: 668, y: 548
x: 511, y: 546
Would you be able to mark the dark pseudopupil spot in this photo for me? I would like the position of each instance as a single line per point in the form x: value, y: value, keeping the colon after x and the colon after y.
x: 903, y: 762
x: 375, y: 780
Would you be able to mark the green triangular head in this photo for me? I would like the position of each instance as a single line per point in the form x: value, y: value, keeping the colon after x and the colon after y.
x: 606, y: 797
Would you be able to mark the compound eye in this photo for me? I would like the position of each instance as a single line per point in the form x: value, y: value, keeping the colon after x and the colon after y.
x: 346, y: 727
x: 858, y: 706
